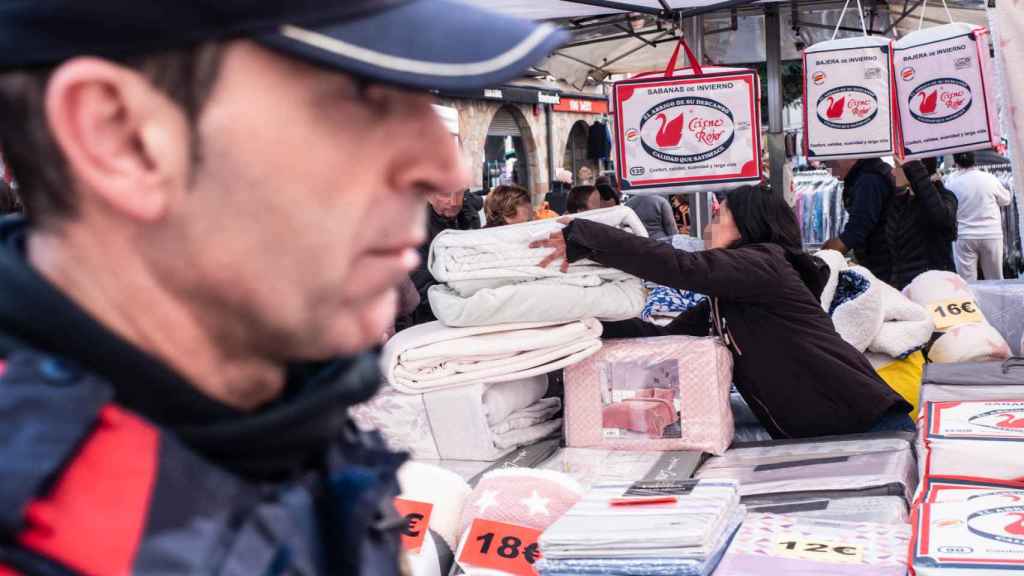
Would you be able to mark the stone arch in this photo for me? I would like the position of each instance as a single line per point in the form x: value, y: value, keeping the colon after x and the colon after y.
x: 527, y: 147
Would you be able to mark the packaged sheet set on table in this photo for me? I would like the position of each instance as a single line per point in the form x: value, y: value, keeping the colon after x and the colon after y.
x: 973, y: 438
x: 666, y: 393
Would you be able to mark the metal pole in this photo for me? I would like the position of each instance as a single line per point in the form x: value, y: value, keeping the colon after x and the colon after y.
x: 700, y: 210
x: 548, y: 124
x: 776, y: 129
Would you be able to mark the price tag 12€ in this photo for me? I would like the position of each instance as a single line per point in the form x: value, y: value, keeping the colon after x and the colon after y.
x: 503, y: 547
x: 802, y: 549
x: 417, y: 523
x: 952, y: 313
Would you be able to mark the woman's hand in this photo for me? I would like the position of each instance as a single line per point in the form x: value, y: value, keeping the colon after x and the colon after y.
x: 556, y: 242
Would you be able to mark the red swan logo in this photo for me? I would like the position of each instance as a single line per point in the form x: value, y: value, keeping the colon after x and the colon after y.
x: 1016, y: 528
x: 1010, y: 421
x: 928, y: 102
x: 835, y: 108
x: 670, y: 133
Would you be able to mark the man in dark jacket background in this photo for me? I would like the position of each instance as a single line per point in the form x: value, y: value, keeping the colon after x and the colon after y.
x: 445, y: 211
x: 902, y: 221
x: 220, y: 203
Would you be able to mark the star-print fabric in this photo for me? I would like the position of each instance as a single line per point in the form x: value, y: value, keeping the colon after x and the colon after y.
x: 521, y: 496
x: 669, y: 302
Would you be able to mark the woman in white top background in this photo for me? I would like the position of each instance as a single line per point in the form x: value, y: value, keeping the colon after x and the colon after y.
x: 980, y: 219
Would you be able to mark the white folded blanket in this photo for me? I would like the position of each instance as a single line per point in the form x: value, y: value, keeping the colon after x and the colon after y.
x: 548, y: 300
x: 870, y: 314
x: 481, y: 422
x: 432, y: 356
x: 472, y: 260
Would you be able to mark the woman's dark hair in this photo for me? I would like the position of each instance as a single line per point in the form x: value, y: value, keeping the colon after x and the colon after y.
x: 578, y: 197
x: 763, y: 217
x: 9, y: 201
x: 931, y: 165
x: 606, y: 187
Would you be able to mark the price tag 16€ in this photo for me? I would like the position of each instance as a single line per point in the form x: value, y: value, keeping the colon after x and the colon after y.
x: 417, y: 523
x: 503, y: 547
x: 803, y: 549
x: 952, y: 313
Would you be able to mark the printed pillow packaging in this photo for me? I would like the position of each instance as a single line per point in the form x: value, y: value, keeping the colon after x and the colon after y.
x: 944, y: 85
x: 848, y: 99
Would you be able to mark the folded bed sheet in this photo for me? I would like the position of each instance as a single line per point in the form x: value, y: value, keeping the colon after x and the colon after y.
x: 432, y: 356
x: 480, y: 422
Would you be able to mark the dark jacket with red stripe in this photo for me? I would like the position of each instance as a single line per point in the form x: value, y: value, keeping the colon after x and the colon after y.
x: 111, y: 464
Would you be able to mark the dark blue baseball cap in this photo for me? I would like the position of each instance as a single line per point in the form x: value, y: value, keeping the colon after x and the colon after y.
x: 442, y: 44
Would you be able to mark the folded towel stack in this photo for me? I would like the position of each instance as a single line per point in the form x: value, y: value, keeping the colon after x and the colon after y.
x: 492, y: 276
x: 684, y: 536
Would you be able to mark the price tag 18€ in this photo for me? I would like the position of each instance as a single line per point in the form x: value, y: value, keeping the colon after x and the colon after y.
x: 803, y: 549
x: 952, y: 313
x: 503, y: 547
x: 417, y: 523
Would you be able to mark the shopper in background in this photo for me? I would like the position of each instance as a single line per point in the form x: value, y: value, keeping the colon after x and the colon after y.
x: 585, y: 176
x: 655, y: 212
x: 445, y: 211
x: 902, y: 221
x: 799, y: 376
x: 681, y: 212
x: 583, y: 198
x: 507, y: 205
x: 221, y: 204
x: 610, y: 196
x: 559, y: 194
x: 980, y: 220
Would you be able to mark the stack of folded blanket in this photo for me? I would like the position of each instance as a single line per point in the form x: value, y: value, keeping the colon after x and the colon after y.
x: 777, y: 544
x: 969, y: 338
x: 610, y: 531
x: 492, y: 276
x: 480, y: 422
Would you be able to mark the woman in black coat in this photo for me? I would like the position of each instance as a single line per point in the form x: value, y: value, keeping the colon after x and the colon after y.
x: 797, y: 374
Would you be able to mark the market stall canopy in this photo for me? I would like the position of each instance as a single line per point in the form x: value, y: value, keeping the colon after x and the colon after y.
x: 609, y: 41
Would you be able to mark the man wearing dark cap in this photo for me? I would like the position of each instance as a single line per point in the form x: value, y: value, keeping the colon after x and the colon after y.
x: 221, y: 198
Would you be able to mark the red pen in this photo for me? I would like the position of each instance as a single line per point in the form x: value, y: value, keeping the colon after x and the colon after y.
x: 644, y: 501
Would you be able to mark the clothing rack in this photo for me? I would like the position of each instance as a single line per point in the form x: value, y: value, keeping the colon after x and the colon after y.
x: 819, y: 206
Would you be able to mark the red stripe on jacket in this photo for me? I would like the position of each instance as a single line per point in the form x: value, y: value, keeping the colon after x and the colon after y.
x: 94, y: 517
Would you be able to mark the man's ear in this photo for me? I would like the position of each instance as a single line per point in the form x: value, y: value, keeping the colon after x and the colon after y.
x: 125, y: 142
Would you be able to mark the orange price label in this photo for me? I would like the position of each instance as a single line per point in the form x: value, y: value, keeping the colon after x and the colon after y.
x: 504, y: 547
x: 417, y: 522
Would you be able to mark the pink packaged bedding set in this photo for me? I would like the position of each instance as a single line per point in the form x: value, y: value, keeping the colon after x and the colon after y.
x: 667, y: 393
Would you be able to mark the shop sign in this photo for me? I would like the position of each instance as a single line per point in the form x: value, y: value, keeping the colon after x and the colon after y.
x: 504, y: 548
x: 945, y: 92
x: 545, y: 98
x: 690, y: 130
x: 416, y: 523
x: 581, y: 106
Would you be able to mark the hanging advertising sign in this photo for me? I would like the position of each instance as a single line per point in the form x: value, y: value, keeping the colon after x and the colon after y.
x: 698, y: 129
x: 945, y: 92
x: 848, y: 99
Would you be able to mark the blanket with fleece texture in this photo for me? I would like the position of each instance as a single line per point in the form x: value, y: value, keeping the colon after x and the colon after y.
x: 871, y: 315
x: 433, y: 356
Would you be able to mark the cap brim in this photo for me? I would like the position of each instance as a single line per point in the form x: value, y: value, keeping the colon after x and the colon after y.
x: 436, y: 44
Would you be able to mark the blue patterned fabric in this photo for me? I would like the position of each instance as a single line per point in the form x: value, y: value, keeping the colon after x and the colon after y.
x: 664, y: 301
x: 851, y: 285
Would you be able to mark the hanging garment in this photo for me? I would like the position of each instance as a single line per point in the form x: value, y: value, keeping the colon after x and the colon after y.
x: 434, y: 357
x: 599, y: 144
x: 667, y: 393
x: 776, y: 544
x: 480, y: 422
